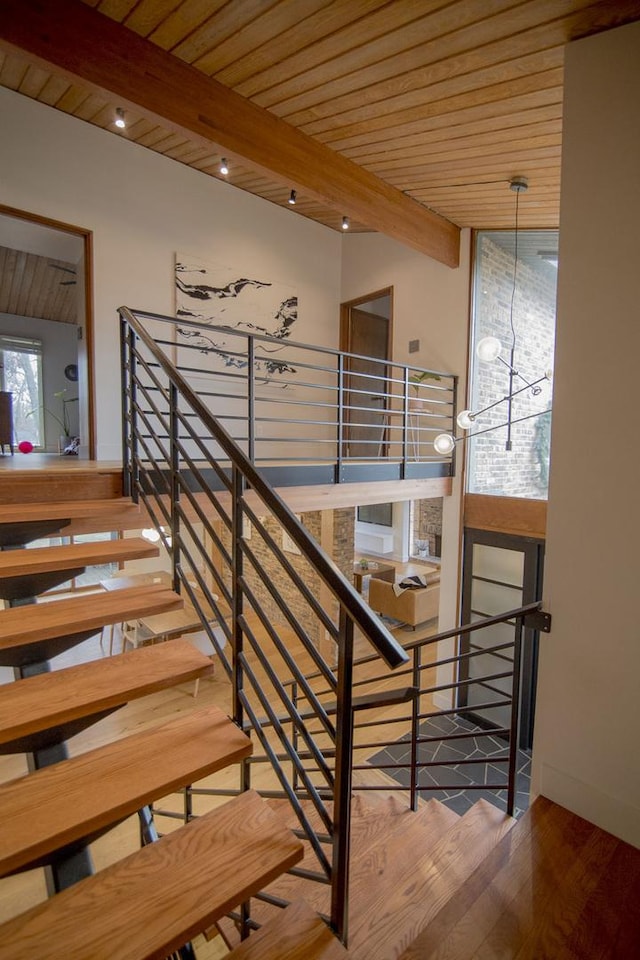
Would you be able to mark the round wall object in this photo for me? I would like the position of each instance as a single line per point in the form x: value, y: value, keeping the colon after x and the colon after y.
x: 71, y: 372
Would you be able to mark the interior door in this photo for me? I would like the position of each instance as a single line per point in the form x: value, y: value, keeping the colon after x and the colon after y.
x: 366, y: 327
x: 500, y: 572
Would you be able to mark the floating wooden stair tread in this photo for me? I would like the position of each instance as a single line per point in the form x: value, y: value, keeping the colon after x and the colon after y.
x: 20, y: 563
x: 152, y: 902
x: 37, y: 711
x: 78, y: 798
x: 24, y: 627
x: 296, y: 933
x: 65, y: 510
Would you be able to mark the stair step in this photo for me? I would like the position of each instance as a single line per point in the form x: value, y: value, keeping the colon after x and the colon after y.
x: 415, y: 886
x: 45, y: 709
x: 77, y: 799
x: 149, y: 904
x: 20, y: 570
x: 296, y: 933
x: 21, y: 523
x: 374, y: 828
x: 42, y: 630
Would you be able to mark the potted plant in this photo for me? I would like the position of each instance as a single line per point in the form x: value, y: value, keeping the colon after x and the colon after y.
x: 67, y: 444
x: 416, y: 380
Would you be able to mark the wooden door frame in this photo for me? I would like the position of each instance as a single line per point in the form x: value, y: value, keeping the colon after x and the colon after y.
x: 87, y: 239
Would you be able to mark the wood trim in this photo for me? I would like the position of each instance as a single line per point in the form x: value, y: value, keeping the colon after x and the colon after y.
x: 512, y: 515
x: 87, y: 45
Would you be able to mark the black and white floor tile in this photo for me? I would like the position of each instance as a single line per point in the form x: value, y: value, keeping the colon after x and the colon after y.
x: 458, y: 776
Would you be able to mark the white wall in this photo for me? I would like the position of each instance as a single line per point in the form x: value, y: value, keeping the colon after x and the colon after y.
x: 142, y: 209
x: 588, y: 708
x: 430, y: 304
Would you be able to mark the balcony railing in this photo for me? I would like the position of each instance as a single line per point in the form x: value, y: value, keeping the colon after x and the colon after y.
x: 308, y: 414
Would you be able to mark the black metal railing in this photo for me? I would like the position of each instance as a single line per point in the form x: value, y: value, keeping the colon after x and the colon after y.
x: 263, y: 590
x: 298, y: 410
x: 440, y: 686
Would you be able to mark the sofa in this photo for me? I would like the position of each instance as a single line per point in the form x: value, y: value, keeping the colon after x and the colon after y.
x: 413, y: 606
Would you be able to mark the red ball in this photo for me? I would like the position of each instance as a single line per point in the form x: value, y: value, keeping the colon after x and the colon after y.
x: 25, y: 446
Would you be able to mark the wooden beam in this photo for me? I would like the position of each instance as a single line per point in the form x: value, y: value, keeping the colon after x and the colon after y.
x: 71, y: 37
x: 514, y: 515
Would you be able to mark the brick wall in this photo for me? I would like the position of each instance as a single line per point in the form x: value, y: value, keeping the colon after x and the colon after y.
x: 341, y: 551
x: 523, y: 471
x: 427, y: 525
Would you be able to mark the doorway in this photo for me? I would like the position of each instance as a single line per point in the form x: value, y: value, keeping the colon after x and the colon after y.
x: 366, y: 329
x: 46, y: 299
x: 500, y: 572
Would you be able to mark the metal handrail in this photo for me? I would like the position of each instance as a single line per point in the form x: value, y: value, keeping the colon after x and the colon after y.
x: 167, y: 461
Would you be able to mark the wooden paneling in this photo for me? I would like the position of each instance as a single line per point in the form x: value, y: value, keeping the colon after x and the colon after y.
x: 440, y: 101
x: 527, y: 518
x: 32, y: 286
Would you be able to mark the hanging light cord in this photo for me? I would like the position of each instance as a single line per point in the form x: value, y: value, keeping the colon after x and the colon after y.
x: 515, y: 274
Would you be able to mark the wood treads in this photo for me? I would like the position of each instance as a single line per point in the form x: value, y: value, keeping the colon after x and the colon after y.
x: 149, y: 904
x: 31, y: 633
x: 40, y: 710
x: 78, y: 798
x: 27, y: 562
x: 296, y: 933
x: 415, y: 873
x: 66, y: 510
x: 556, y: 888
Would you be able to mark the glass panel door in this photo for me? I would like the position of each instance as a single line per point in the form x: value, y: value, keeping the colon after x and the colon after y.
x: 500, y: 573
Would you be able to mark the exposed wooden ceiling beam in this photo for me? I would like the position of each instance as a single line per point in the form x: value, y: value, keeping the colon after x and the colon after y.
x: 85, y: 44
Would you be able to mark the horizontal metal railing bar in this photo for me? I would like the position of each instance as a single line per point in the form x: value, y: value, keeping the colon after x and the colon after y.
x: 381, y: 639
x: 293, y: 623
x: 287, y: 703
x: 428, y: 788
x: 456, y: 684
x: 228, y: 331
x: 494, y: 732
x: 412, y: 645
x: 308, y: 875
x: 289, y: 748
x: 293, y: 575
x: 464, y: 709
x: 286, y: 786
x: 481, y: 613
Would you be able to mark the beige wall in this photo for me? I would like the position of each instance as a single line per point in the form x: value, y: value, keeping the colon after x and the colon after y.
x: 588, y: 710
x: 142, y: 209
x: 430, y: 304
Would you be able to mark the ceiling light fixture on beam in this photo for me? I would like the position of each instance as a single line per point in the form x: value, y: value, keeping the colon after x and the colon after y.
x: 120, y: 121
x: 292, y: 198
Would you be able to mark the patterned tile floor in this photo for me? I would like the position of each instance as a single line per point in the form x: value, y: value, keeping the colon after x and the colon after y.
x: 481, y: 746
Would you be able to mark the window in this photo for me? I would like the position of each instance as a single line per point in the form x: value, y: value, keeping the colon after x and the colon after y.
x: 516, y: 303
x: 21, y: 375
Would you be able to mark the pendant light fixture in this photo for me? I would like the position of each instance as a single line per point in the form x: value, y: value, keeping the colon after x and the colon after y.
x: 489, y: 350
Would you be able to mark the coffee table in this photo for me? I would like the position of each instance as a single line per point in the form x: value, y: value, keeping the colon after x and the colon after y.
x: 381, y: 571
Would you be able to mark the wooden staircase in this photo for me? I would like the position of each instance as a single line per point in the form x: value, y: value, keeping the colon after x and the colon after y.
x: 153, y: 901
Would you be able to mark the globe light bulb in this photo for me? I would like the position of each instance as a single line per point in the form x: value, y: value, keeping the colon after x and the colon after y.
x: 465, y: 419
x: 488, y: 348
x: 444, y: 443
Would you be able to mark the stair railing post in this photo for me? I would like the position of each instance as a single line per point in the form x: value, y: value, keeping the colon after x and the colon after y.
x: 251, y: 399
x: 129, y: 418
x: 515, y: 715
x: 174, y: 484
x: 343, y: 780
x: 415, y: 719
x: 340, y: 452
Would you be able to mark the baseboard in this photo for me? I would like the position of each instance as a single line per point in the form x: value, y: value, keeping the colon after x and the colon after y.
x: 610, y: 813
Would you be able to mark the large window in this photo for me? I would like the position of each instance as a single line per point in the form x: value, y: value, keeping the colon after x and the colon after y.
x: 515, y: 302
x: 21, y: 375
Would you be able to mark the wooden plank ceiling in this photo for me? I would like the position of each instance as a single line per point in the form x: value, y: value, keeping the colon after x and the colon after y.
x: 33, y: 286
x: 442, y: 102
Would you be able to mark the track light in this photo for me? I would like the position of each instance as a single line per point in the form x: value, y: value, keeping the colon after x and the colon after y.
x: 345, y: 223
x: 292, y: 198
x: 120, y: 120
x: 224, y: 168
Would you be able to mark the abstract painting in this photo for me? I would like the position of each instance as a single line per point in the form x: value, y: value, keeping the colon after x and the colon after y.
x: 216, y: 295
